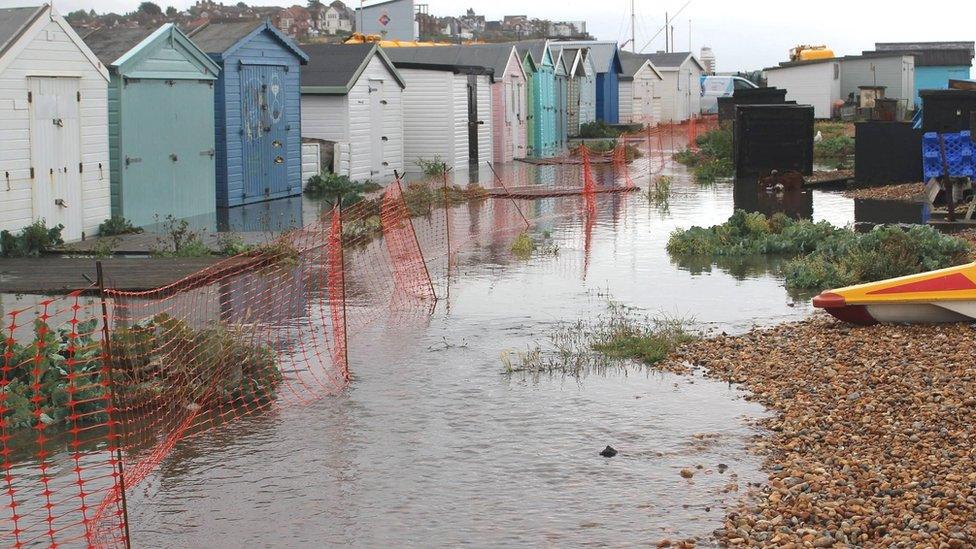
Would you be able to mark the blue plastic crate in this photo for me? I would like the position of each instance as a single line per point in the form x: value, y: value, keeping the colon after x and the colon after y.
x: 958, y: 151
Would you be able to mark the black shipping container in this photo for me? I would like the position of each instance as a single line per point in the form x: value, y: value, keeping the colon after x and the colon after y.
x: 887, y: 152
x: 751, y: 96
x: 947, y: 110
x: 773, y: 137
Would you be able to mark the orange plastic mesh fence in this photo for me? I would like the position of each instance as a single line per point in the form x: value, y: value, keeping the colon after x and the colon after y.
x: 92, y: 403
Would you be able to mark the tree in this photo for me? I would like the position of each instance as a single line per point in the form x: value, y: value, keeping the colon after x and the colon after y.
x: 242, y: 5
x: 314, y: 3
x: 77, y: 16
x: 150, y: 8
x: 171, y: 11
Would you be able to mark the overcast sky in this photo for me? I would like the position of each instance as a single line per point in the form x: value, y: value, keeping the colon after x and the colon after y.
x: 745, y: 34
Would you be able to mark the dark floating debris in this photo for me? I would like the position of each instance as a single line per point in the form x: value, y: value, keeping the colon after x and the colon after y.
x: 608, y: 452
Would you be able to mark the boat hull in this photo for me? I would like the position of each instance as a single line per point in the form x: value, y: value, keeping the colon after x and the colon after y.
x: 946, y: 295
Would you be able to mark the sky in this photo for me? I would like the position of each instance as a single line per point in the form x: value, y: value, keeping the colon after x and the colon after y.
x: 744, y: 34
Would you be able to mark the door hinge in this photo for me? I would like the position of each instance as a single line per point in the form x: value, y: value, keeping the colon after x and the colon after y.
x: 30, y: 97
x: 32, y: 172
x: 78, y: 96
x: 81, y: 167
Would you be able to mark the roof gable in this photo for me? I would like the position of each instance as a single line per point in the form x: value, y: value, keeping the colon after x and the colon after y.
x: 106, y: 43
x: 604, y: 55
x: 333, y: 69
x: 22, y: 28
x: 672, y: 61
x: 223, y: 39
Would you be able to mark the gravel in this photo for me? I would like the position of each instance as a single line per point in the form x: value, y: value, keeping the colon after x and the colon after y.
x: 872, y: 440
x: 908, y: 192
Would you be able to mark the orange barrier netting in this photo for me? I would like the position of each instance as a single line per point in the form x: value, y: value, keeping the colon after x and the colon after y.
x: 99, y: 385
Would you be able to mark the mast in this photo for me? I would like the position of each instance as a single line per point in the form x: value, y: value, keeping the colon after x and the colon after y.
x: 633, y: 28
x: 667, y: 27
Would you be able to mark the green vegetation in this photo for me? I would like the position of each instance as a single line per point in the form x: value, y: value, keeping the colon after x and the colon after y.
x: 434, y: 167
x: 607, y: 145
x: 660, y: 191
x: 713, y: 160
x: 117, y: 225
x: 598, y: 130
x: 837, y: 141
x: 886, y: 252
x: 824, y: 256
x: 331, y: 187
x: 42, y: 383
x: 178, y: 240
x: 208, y: 366
x: 33, y: 240
x: 525, y: 245
x: 615, y: 338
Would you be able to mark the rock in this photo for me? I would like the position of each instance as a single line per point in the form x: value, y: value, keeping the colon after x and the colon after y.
x: 608, y: 452
x: 664, y: 543
x: 687, y: 473
x: 722, y: 468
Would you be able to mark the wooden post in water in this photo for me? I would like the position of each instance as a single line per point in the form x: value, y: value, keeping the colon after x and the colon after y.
x: 447, y: 221
x: 342, y: 268
x: 113, y: 436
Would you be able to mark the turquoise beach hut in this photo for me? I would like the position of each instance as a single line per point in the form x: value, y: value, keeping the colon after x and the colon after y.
x: 257, y: 111
x: 542, y: 112
x: 161, y: 127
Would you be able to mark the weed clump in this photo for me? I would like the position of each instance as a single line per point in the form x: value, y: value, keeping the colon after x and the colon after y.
x: 33, y: 240
x: 117, y: 225
x: 713, y: 159
x: 598, y: 130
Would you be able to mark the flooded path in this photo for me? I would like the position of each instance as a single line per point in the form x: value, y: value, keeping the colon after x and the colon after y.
x: 433, y: 444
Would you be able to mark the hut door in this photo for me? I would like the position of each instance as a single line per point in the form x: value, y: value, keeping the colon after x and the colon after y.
x: 376, y: 100
x: 263, y: 131
x: 55, y: 137
x: 473, y: 119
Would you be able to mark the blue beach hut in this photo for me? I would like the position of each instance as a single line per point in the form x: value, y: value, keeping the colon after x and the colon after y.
x: 257, y: 104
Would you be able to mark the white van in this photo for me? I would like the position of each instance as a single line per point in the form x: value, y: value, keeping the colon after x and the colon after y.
x: 714, y: 87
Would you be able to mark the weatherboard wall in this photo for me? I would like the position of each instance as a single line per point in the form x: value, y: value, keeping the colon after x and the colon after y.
x: 161, y: 137
x: 587, y: 100
x: 47, y: 50
x: 508, y: 118
x: 268, y: 171
x: 608, y: 96
x: 347, y: 120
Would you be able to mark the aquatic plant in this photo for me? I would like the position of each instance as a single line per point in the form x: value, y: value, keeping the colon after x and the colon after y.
x: 616, y: 338
x: 33, y: 240
x: 660, y: 191
x: 824, y: 256
x: 523, y: 246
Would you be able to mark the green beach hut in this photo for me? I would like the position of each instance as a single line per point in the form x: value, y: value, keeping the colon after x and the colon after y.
x: 161, y: 124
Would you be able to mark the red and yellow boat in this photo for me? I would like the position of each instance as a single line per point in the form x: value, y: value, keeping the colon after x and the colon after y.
x: 946, y: 295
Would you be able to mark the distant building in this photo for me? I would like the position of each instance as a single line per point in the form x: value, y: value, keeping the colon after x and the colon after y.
x: 567, y: 29
x: 707, y: 58
x: 294, y: 21
x: 392, y: 19
x: 333, y: 19
x: 935, y: 62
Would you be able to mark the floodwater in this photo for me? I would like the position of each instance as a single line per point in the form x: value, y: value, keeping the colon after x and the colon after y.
x: 433, y: 444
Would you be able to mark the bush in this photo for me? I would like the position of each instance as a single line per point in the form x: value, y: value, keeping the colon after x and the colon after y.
x: 33, y: 240
x: 332, y: 188
x: 117, y: 225
x: 713, y: 160
x: 834, y: 147
x: 752, y: 233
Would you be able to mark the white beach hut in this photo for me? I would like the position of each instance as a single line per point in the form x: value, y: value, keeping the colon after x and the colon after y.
x: 640, y: 89
x: 54, y: 120
x: 352, y: 96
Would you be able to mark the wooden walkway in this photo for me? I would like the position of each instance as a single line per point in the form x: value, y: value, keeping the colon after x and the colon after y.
x: 549, y: 192
x: 57, y: 275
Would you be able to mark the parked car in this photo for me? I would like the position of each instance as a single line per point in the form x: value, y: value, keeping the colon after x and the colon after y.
x: 714, y: 87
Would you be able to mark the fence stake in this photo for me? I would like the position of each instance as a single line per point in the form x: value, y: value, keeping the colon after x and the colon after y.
x: 423, y: 261
x: 107, y: 349
x: 342, y: 270
x: 447, y: 223
x: 514, y: 202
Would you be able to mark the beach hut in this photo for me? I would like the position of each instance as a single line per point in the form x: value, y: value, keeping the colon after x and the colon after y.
x: 161, y: 128
x: 509, y: 90
x: 447, y: 111
x: 587, y: 93
x: 543, y: 139
x: 640, y: 102
x: 352, y: 96
x: 256, y: 110
x: 681, y: 89
x: 606, y: 62
x: 562, y: 73
x: 576, y: 82
x: 54, y: 142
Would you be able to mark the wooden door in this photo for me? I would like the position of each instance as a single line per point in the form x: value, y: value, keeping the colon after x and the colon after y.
x: 55, y: 136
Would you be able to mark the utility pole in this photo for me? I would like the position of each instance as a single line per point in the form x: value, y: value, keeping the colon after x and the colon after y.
x: 667, y: 27
x: 633, y: 28
x: 689, y: 34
